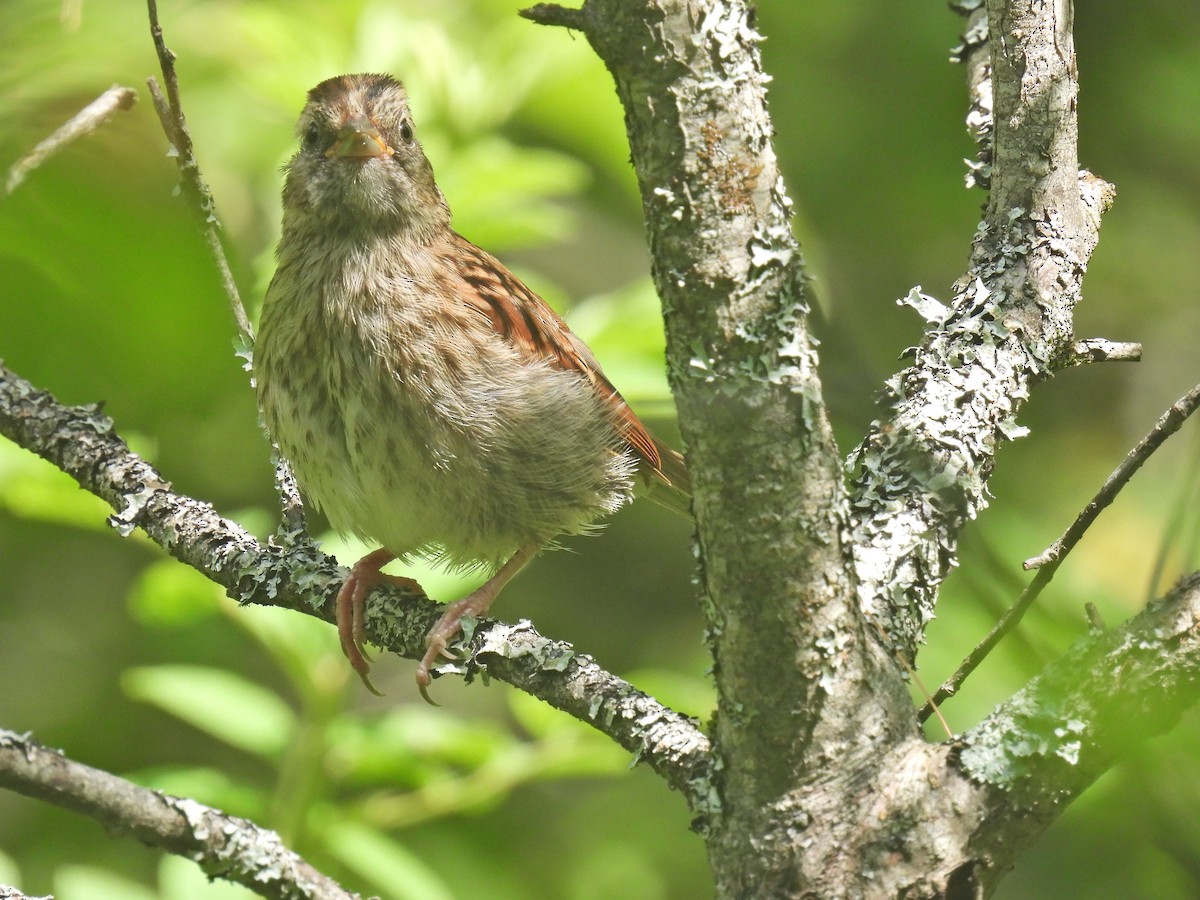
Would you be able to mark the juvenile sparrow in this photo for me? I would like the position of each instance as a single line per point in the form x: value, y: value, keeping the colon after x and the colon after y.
x: 428, y: 400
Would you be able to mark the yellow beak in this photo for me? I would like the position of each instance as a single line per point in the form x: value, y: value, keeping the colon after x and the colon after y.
x: 358, y: 138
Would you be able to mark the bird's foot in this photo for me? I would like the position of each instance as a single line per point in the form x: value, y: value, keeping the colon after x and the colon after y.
x: 448, y: 627
x: 350, y: 603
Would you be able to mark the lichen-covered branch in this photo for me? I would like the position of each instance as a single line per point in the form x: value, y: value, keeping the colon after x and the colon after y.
x: 950, y: 820
x: 1093, y: 707
x: 8, y: 892
x: 799, y: 673
x: 224, y: 846
x: 921, y: 473
x: 293, y: 574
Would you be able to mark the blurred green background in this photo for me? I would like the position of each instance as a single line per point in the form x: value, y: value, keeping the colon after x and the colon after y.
x: 131, y: 663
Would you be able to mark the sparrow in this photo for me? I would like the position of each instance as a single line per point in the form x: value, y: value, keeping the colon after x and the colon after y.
x: 427, y: 400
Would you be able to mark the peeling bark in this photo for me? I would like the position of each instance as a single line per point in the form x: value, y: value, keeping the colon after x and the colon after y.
x: 817, y: 580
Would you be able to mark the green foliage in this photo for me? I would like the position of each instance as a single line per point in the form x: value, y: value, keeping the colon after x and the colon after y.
x: 32, y: 490
x: 131, y: 662
x: 224, y: 705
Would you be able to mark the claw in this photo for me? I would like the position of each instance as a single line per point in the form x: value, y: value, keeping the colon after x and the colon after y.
x: 350, y: 605
x: 423, y: 682
x: 476, y: 603
x: 365, y: 575
x: 436, y: 647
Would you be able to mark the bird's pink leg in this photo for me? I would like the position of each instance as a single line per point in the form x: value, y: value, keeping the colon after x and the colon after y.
x: 475, y: 603
x: 349, y: 605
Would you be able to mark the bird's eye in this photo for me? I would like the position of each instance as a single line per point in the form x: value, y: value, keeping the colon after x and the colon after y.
x: 312, y: 134
x: 406, y: 132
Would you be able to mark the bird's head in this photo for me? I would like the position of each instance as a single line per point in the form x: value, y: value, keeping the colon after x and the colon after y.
x: 360, y: 166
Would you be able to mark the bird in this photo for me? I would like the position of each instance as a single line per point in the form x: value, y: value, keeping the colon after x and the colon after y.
x: 426, y: 399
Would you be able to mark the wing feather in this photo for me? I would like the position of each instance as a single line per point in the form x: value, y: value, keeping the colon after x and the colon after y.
x: 523, y: 318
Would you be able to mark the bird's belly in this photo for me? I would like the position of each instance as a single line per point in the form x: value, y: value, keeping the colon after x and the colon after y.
x: 467, y: 468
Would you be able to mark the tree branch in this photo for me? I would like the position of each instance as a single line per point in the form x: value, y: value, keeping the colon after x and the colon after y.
x: 949, y: 820
x: 922, y: 471
x: 170, y: 116
x: 224, y: 846
x: 1088, y: 710
x: 83, y: 123
x: 800, y: 675
x: 553, y: 14
x: 294, y: 575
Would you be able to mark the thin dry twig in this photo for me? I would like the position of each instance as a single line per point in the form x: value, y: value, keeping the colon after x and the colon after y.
x: 174, y: 123
x: 1168, y: 423
x: 1048, y: 561
x: 170, y: 114
x: 1093, y: 350
x: 225, y: 846
x: 83, y: 123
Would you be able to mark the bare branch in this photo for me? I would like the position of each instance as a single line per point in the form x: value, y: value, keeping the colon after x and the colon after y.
x: 170, y: 115
x: 224, y: 846
x: 83, y: 123
x: 295, y: 575
x: 1100, y: 350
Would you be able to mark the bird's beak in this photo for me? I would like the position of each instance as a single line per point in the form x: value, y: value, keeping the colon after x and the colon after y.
x: 358, y: 138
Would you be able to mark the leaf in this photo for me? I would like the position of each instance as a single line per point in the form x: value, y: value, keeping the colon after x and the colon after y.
x: 504, y: 196
x: 217, y: 702
x: 388, y: 865
x: 9, y: 873
x: 97, y: 884
x: 181, y: 879
x: 211, y: 787
x: 170, y: 594
x: 625, y: 331
x: 414, y: 746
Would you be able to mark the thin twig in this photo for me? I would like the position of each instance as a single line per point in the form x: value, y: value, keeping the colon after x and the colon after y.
x: 1167, y: 424
x: 1103, y: 350
x: 170, y: 114
x: 1047, y: 562
x: 83, y: 123
x: 224, y: 846
x: 174, y: 123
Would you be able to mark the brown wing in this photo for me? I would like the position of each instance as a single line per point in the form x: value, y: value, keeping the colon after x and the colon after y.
x: 522, y: 317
